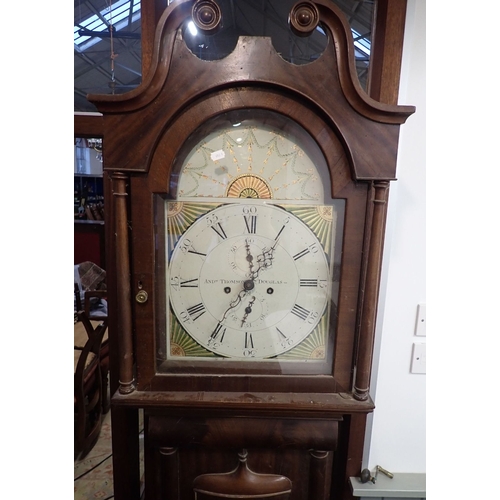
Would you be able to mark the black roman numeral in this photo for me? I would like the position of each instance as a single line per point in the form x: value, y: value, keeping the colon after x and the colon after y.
x: 248, y: 341
x: 219, y: 231
x: 308, y: 282
x: 281, y: 333
x: 197, y: 253
x: 251, y: 223
x: 216, y: 332
x: 190, y: 283
x: 297, y: 256
x: 300, y: 312
x: 196, y: 311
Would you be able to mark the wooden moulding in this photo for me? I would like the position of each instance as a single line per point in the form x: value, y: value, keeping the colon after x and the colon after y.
x: 88, y: 125
x: 208, y: 403
x: 238, y: 433
x: 387, y: 50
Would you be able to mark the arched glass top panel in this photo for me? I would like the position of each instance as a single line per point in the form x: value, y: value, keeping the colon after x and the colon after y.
x: 251, y: 154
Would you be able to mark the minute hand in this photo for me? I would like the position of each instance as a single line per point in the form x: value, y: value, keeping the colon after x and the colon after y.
x: 234, y: 303
x: 265, y: 260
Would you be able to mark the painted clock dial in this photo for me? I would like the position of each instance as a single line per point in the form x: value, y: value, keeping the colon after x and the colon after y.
x: 250, y: 158
x: 249, y: 281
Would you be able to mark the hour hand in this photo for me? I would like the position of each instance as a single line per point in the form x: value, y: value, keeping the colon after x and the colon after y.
x: 249, y: 256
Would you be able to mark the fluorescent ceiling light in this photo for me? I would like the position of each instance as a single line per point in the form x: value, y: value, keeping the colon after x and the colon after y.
x: 192, y: 28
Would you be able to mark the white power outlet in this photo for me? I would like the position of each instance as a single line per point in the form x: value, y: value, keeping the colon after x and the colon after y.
x: 418, y: 358
x: 421, y: 321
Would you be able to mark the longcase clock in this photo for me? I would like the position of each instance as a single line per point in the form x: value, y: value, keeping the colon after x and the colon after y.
x: 249, y: 199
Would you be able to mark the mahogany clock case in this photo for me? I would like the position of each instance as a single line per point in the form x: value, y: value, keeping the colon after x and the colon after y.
x: 149, y: 133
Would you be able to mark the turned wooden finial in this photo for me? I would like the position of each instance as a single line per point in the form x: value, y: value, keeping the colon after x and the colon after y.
x: 303, y: 18
x: 207, y: 16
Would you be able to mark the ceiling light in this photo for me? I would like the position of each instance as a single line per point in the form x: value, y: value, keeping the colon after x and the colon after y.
x: 192, y: 28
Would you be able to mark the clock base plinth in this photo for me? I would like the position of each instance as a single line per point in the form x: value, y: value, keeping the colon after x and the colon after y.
x: 299, y: 437
x: 281, y: 453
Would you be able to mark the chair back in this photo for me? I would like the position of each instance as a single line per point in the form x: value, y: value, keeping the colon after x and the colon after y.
x: 88, y: 388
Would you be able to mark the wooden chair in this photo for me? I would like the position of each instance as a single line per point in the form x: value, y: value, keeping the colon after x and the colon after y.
x: 88, y: 388
x: 80, y: 340
x: 102, y: 294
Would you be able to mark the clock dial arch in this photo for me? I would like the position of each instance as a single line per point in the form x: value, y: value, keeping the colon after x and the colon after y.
x: 251, y: 154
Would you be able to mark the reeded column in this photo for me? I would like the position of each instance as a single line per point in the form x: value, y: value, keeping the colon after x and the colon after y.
x: 123, y: 304
x: 380, y: 192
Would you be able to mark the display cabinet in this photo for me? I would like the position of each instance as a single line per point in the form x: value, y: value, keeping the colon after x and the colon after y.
x: 248, y: 214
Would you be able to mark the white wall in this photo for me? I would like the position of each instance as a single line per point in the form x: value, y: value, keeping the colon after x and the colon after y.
x: 397, y: 432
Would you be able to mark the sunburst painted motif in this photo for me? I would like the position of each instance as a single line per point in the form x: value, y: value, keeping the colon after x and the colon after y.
x: 321, y: 219
x: 313, y: 347
x: 249, y: 186
x: 325, y: 212
x: 182, y: 344
x: 180, y: 215
x: 174, y: 208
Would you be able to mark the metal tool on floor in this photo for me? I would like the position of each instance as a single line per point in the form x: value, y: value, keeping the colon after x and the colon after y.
x: 366, y: 474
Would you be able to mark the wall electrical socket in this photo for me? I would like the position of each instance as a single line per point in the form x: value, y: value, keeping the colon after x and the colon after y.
x: 421, y: 321
x: 418, y: 358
